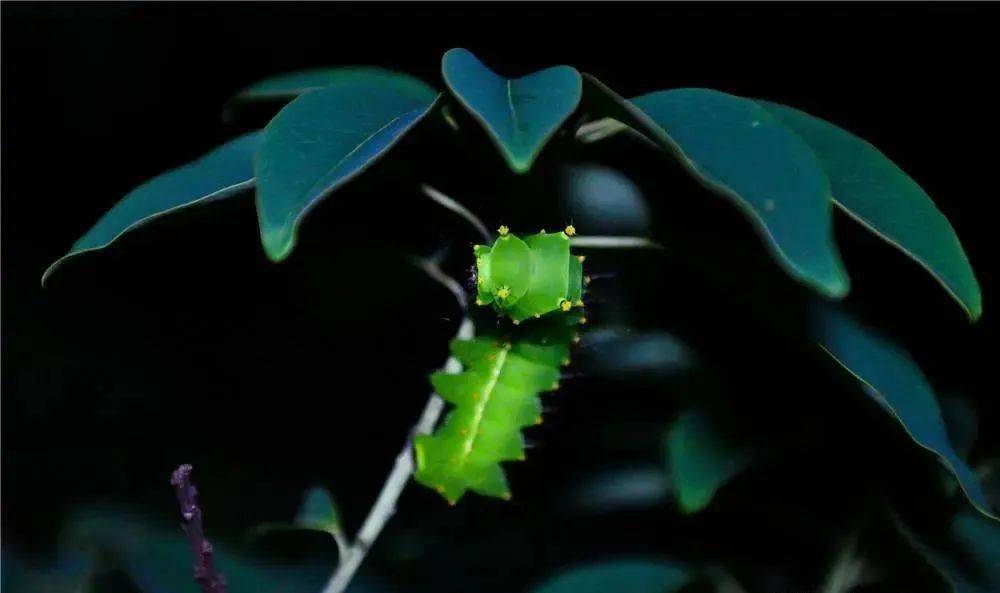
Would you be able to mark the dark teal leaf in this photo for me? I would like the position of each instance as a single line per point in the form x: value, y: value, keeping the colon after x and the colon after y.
x: 736, y: 148
x: 621, y: 576
x: 883, y: 198
x: 323, y: 139
x: 519, y: 114
x: 292, y: 84
x: 968, y: 558
x: 220, y: 173
x: 702, y: 459
x: 895, y: 382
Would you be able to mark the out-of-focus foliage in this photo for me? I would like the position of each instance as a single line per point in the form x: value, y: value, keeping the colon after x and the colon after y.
x: 621, y: 576
x: 702, y: 459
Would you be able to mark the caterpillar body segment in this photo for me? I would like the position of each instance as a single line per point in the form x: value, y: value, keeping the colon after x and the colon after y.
x: 530, y: 277
x: 494, y: 398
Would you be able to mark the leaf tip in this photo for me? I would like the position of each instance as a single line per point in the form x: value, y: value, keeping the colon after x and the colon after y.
x: 278, y: 243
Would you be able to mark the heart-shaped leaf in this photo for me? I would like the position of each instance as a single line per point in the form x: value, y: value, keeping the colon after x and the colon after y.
x: 220, y: 173
x: 883, y: 198
x: 323, y: 139
x: 519, y: 114
x: 896, y: 383
x: 292, y: 84
x: 620, y: 576
x: 735, y: 147
x: 701, y: 458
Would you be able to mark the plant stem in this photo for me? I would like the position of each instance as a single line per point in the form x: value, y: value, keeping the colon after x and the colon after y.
x: 613, y: 242
x: 456, y: 207
x: 402, y: 470
x: 205, y: 574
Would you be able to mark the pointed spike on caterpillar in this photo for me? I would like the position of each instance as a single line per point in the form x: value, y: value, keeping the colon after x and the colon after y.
x: 565, y: 305
x: 570, y: 231
x: 503, y: 230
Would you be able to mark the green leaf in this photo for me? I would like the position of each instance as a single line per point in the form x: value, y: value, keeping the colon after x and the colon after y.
x: 702, y: 459
x: 896, y: 383
x: 621, y: 576
x: 292, y: 84
x: 323, y: 139
x: 318, y: 512
x: 969, y: 558
x: 735, y: 147
x: 519, y: 114
x: 222, y: 172
x: 883, y: 198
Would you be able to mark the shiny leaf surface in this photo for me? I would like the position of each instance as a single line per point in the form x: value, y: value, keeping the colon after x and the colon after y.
x: 323, y: 139
x: 882, y: 197
x: 736, y: 148
x: 519, y: 114
x: 223, y: 172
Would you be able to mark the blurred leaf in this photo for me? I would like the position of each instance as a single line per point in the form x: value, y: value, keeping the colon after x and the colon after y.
x: 67, y: 576
x: 619, y: 576
x: 621, y: 353
x: 883, y: 198
x: 222, y: 172
x: 292, y: 84
x: 736, y: 148
x: 962, y: 422
x: 896, y: 383
x: 323, y: 139
x: 602, y: 201
x: 702, y: 459
x: 519, y: 114
x: 159, y: 561
x: 318, y: 512
x: 615, y: 489
x: 968, y: 558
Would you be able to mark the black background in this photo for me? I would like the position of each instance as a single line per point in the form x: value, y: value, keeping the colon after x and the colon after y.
x: 183, y: 344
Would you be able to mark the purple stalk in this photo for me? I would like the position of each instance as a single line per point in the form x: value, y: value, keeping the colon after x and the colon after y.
x: 204, y: 566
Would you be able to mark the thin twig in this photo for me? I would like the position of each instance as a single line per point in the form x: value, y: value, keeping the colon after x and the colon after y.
x: 601, y: 242
x: 402, y: 470
x: 431, y: 269
x: 453, y: 205
x: 204, y: 566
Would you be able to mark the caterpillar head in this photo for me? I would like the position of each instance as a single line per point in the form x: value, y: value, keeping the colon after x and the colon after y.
x: 530, y: 277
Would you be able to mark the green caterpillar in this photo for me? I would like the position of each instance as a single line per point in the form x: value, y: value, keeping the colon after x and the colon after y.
x: 531, y: 277
x: 497, y: 394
